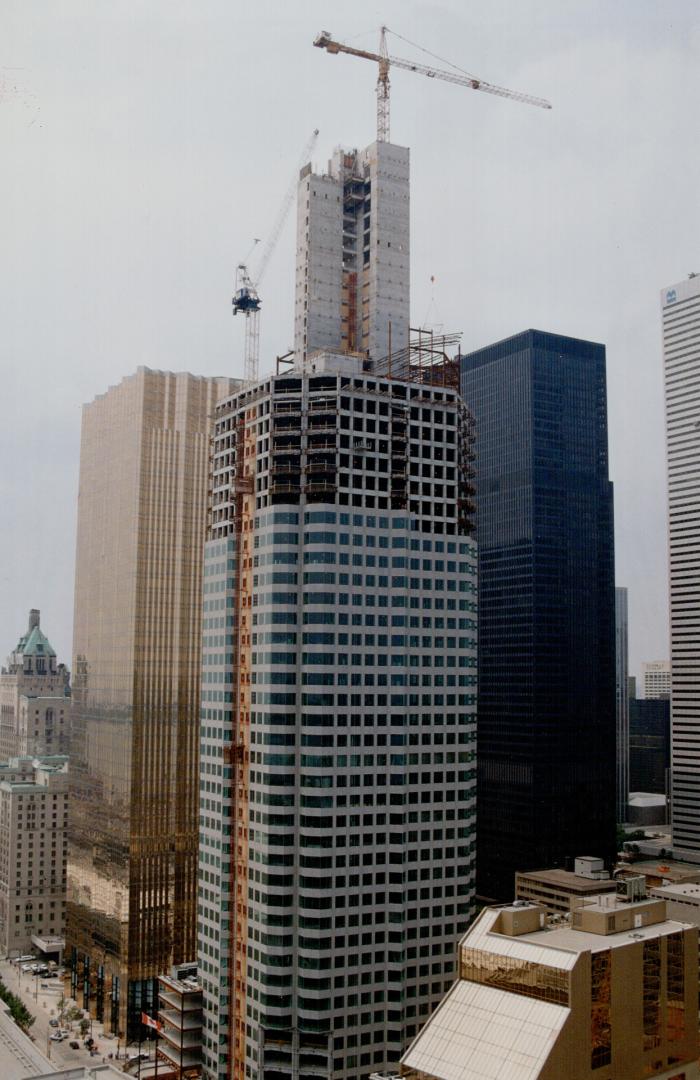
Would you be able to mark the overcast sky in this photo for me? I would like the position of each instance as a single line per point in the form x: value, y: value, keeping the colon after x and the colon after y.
x: 146, y: 142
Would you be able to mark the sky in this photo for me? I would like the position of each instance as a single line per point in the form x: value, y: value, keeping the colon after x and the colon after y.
x: 146, y: 143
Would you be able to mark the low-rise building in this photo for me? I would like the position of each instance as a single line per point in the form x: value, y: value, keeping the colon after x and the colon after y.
x: 33, y: 821
x: 559, y: 890
x: 660, y: 871
x: 611, y: 994
x: 682, y: 900
x: 180, y: 1018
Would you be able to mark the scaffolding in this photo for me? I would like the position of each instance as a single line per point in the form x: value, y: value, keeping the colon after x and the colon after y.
x: 425, y: 360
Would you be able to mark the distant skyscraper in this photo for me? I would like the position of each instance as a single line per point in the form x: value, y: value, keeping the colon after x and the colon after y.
x: 650, y: 744
x: 352, y: 276
x: 132, y: 871
x: 35, y: 704
x: 546, y: 716
x: 657, y: 679
x: 622, y: 702
x: 680, y: 306
x: 337, y: 790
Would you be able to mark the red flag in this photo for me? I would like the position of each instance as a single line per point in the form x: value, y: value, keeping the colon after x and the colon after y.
x: 150, y: 1022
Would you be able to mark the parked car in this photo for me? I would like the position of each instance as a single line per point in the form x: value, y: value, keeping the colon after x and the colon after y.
x: 74, y: 1044
x: 142, y: 1056
x: 28, y: 967
x: 53, y: 1022
x: 50, y: 975
x: 57, y: 1036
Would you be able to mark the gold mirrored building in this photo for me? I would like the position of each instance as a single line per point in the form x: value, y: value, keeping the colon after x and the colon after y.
x: 132, y: 863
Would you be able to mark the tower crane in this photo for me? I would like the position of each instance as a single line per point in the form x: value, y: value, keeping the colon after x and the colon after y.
x: 246, y: 298
x: 324, y: 40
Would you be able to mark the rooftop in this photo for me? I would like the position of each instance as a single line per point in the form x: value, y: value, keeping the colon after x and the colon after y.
x: 558, y: 944
x: 669, y: 869
x: 566, y: 879
x: 685, y: 890
x: 478, y: 1029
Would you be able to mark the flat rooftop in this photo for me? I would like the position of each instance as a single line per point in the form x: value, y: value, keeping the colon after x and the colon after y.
x: 558, y: 945
x: 566, y: 879
x: 683, y: 890
x: 670, y: 869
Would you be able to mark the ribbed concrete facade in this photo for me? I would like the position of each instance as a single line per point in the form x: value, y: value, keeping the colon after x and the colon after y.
x: 337, y: 777
x: 352, y: 275
x: 680, y: 308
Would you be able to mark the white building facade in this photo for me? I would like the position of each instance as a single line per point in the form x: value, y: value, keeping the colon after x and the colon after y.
x: 680, y: 306
x: 656, y: 675
x: 337, y: 779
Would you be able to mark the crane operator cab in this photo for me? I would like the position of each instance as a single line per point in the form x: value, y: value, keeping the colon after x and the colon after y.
x: 245, y: 300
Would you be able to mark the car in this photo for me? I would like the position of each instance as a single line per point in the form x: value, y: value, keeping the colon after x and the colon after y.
x: 24, y: 959
x: 142, y: 1056
x: 50, y: 975
x: 28, y: 968
x: 53, y: 1022
x: 57, y: 1036
x: 74, y: 1044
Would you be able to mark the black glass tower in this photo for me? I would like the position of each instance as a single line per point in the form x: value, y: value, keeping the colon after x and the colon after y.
x: 546, y: 719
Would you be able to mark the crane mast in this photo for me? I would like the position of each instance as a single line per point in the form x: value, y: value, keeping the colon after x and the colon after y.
x: 324, y: 40
x: 246, y: 298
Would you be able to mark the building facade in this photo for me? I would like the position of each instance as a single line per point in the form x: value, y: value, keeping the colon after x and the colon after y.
x: 560, y: 890
x: 657, y: 679
x: 680, y: 312
x: 33, y: 850
x: 35, y: 703
x: 546, y: 731
x: 650, y: 744
x: 338, y: 719
x: 352, y: 272
x: 622, y: 741
x: 610, y: 992
x: 132, y: 870
x: 180, y: 1017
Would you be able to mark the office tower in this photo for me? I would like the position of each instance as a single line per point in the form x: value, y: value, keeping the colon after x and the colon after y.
x: 132, y: 868
x: 352, y: 273
x: 611, y: 991
x: 680, y: 305
x: 650, y: 744
x: 34, y: 698
x: 338, y: 718
x: 546, y: 728
x: 657, y: 679
x: 33, y: 818
x: 622, y: 741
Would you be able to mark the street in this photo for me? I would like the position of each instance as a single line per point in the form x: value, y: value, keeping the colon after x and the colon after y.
x: 45, y: 1004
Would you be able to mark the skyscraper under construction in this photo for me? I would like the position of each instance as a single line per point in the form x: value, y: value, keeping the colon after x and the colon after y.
x: 337, y: 775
